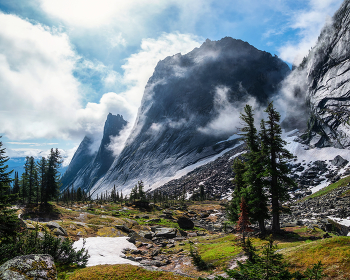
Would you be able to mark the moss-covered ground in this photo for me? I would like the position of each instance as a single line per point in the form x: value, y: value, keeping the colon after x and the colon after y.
x: 301, y: 246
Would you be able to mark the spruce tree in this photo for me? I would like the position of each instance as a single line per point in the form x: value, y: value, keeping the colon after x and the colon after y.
x: 233, y: 208
x: 53, y: 175
x: 16, y: 187
x: 253, y: 176
x: 277, y: 169
x: 8, y: 219
x: 79, y: 194
x: 42, y: 178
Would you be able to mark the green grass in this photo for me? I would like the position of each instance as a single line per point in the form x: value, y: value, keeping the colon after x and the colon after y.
x: 217, y: 250
x: 341, y: 183
x: 122, y: 272
x: 334, y: 253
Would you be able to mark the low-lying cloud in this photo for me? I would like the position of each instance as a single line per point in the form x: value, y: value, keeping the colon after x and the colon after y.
x: 227, y: 121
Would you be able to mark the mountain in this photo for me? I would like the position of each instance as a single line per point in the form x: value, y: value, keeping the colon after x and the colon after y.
x: 327, y: 88
x: 317, y: 95
x: 87, y: 165
x: 190, y: 105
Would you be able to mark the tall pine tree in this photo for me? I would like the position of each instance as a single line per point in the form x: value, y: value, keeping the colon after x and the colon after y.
x: 8, y: 219
x: 277, y: 169
x: 253, y: 176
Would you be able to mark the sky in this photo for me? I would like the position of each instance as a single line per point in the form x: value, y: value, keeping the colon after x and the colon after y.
x: 65, y: 64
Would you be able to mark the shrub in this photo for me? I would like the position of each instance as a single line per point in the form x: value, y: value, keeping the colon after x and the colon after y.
x: 32, y: 242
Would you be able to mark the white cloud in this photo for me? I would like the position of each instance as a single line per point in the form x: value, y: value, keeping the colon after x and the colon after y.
x: 309, y: 22
x: 40, y: 96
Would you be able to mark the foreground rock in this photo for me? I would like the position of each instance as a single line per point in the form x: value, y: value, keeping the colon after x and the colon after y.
x: 39, y: 267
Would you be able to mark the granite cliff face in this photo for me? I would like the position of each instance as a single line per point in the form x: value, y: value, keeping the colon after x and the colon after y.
x: 87, y: 166
x: 186, y: 103
x: 328, y: 86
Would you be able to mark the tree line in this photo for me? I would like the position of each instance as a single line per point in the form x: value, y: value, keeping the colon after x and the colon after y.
x: 40, y: 181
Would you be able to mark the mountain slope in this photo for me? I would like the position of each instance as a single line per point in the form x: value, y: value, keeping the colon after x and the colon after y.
x: 328, y: 88
x: 191, y: 103
x: 88, y: 166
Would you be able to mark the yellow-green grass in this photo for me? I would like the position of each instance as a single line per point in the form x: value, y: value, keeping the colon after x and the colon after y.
x: 217, y: 250
x: 334, y: 253
x: 341, y: 183
x: 122, y: 272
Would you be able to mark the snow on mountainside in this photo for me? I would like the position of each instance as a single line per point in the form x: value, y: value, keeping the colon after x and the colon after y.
x: 190, y: 104
x: 313, y: 168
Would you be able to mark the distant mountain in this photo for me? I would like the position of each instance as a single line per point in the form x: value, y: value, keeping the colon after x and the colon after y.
x: 87, y: 166
x: 186, y: 103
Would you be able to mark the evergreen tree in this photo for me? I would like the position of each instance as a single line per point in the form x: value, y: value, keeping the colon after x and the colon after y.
x: 253, y: 176
x: 277, y: 169
x: 42, y: 178
x: 53, y: 176
x: 16, y: 187
x: 141, y: 192
x: 243, y: 220
x: 31, y: 177
x: 79, y: 194
x: 233, y: 208
x: 8, y: 219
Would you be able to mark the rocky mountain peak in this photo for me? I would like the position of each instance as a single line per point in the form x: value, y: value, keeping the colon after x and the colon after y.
x: 185, y: 100
x: 328, y: 90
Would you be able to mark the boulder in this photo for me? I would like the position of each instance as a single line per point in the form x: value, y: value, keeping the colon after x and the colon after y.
x: 166, y: 232
x: 146, y: 234
x: 53, y: 225
x: 29, y: 267
x: 339, y: 161
x: 122, y: 228
x: 185, y: 223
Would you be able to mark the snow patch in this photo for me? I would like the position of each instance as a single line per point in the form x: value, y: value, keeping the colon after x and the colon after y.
x: 106, y: 250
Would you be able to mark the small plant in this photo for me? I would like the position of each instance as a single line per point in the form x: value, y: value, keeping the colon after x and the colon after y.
x: 198, y: 261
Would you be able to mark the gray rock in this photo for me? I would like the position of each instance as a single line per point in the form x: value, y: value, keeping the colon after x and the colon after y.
x: 40, y: 267
x: 56, y: 228
x: 339, y: 161
x: 122, y: 228
x: 146, y: 234
x: 166, y: 232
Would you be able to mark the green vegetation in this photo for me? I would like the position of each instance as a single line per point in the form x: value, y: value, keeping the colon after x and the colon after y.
x: 264, y: 174
x: 36, y: 242
x: 341, y: 183
x: 122, y: 272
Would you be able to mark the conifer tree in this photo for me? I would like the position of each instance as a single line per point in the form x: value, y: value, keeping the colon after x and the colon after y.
x: 79, y: 194
x: 42, y: 178
x: 16, y: 187
x: 276, y: 169
x: 233, y: 209
x: 253, y: 176
x: 53, y: 179
x: 243, y: 220
x: 8, y: 219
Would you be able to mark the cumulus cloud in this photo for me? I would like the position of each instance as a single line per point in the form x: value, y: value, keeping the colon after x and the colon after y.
x: 309, y: 23
x: 41, y: 96
x: 38, y: 90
